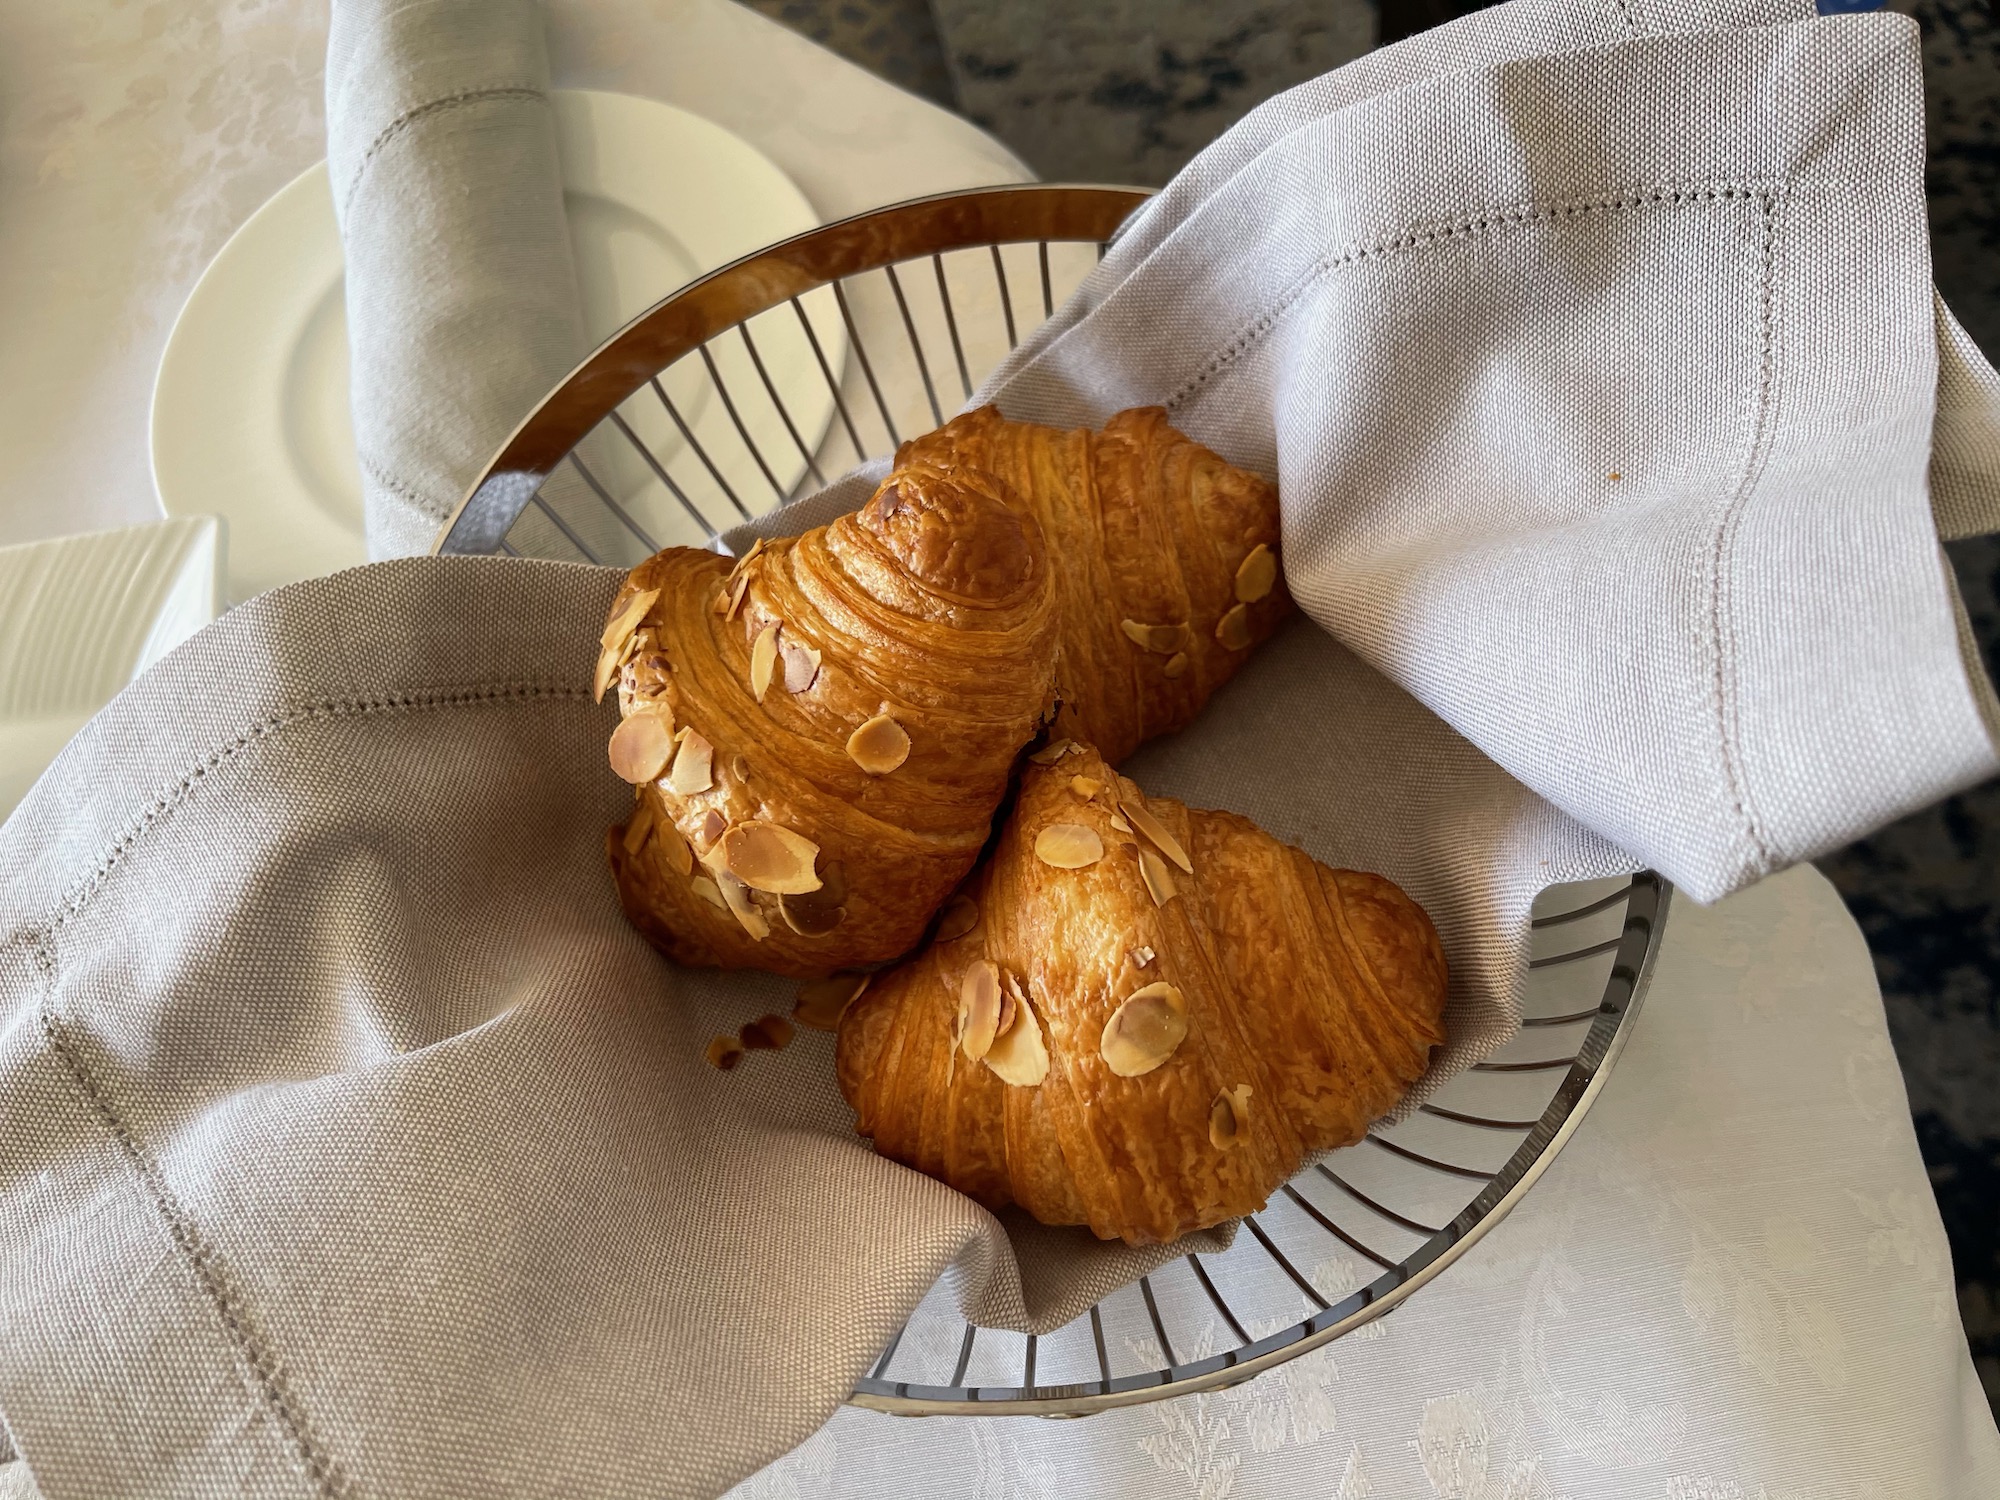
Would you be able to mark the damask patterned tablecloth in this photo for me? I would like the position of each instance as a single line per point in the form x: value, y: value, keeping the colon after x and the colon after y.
x: 1734, y: 1282
x: 1732, y: 1285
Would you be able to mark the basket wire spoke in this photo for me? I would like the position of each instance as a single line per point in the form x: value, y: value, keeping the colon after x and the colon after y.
x: 759, y: 383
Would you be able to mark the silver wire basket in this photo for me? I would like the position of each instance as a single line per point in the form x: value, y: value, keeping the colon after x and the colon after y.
x: 766, y: 378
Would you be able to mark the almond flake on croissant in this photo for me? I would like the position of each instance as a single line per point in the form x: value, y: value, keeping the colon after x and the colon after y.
x: 819, y: 734
x: 1165, y: 555
x: 1157, y: 1014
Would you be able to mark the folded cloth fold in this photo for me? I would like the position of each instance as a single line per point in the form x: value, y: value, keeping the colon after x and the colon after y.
x: 462, y: 306
x: 349, y: 1138
x: 1602, y: 390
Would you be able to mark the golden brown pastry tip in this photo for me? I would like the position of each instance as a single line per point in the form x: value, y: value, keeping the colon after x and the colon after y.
x: 1159, y: 1013
x: 819, y: 733
x: 1165, y: 555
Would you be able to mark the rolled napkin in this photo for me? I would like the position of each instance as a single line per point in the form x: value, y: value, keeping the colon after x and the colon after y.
x: 462, y: 307
x: 348, y: 1132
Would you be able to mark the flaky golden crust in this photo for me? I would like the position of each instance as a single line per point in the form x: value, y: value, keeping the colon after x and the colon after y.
x: 933, y: 606
x: 1320, y: 989
x: 1145, y: 526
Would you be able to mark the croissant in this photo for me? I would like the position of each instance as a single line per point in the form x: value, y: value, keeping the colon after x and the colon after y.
x: 819, y: 735
x: 1165, y: 555
x: 1148, y: 1016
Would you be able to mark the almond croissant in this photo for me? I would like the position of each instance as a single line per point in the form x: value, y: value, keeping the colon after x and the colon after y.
x: 820, y: 734
x: 1165, y: 558
x: 1156, y: 1015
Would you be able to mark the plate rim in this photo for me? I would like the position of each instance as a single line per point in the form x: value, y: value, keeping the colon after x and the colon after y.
x: 177, y: 495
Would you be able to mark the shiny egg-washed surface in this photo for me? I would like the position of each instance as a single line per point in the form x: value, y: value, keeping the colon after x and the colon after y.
x: 1317, y: 992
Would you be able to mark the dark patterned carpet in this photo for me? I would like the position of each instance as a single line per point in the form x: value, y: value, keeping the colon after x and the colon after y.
x: 1128, y: 90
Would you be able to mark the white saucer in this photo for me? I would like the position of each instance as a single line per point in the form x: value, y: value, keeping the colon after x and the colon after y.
x: 250, y: 412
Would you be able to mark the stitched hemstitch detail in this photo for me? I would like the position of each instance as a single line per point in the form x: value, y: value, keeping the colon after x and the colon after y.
x: 1722, y: 621
x: 1464, y: 227
x: 265, y: 1375
x: 430, y: 509
x: 79, y: 896
x: 410, y: 117
x: 263, y: 1370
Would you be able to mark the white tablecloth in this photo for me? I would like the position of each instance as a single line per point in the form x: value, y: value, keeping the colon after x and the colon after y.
x: 135, y: 137
x: 1734, y: 1283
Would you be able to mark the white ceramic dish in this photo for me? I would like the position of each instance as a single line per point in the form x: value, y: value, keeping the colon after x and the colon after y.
x: 82, y: 616
x: 250, y: 411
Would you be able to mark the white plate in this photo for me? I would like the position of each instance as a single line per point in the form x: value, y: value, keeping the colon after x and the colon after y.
x: 82, y: 616
x: 250, y: 413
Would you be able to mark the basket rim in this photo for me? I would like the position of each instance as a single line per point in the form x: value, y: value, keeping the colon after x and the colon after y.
x: 711, y: 304
x: 988, y: 217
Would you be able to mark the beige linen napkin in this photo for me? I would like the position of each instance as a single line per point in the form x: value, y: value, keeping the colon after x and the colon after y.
x: 351, y: 1145
x: 462, y: 308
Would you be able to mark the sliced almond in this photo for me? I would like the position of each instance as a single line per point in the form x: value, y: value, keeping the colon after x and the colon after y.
x: 756, y: 550
x: 960, y: 916
x: 1142, y: 956
x: 638, y: 826
x: 1177, y: 664
x: 822, y: 1002
x: 725, y: 1052
x: 763, y: 660
x: 1052, y: 752
x: 1159, y: 879
x: 1145, y: 1031
x: 615, y: 654
x: 1085, y: 787
x: 713, y: 826
x: 1156, y: 831
x: 1118, y: 822
x: 708, y: 890
x: 655, y: 707
x: 736, y: 596
x: 640, y: 746
x: 736, y: 896
x: 766, y: 1034
x: 1256, y: 574
x: 979, y: 1004
x: 770, y: 857
x: 1068, y: 846
x: 1229, y: 1118
x: 618, y: 634
x: 618, y: 629
x: 801, y: 666
x: 1018, y: 1055
x: 694, y: 765
x: 816, y: 913
x: 1165, y: 639
x: 679, y: 856
x: 879, y: 746
x: 1013, y: 1000
x: 1233, y: 630
x: 609, y: 660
